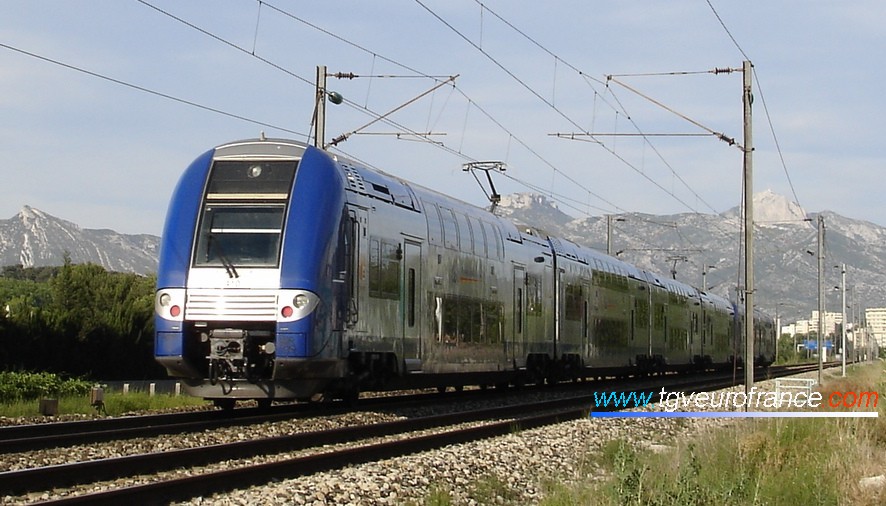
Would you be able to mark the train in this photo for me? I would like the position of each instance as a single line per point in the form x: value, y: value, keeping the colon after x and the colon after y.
x: 289, y: 273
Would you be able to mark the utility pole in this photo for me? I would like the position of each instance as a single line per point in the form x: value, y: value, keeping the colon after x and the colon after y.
x: 777, y: 329
x: 820, y: 295
x: 609, y: 233
x: 704, y: 276
x: 320, y: 108
x: 747, y: 100
x: 843, y: 326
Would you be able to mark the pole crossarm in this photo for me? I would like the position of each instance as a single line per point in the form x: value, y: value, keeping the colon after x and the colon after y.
x: 343, y: 137
x: 721, y: 136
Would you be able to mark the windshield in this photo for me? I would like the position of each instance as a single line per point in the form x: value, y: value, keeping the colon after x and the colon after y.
x: 241, y: 223
x: 240, y: 235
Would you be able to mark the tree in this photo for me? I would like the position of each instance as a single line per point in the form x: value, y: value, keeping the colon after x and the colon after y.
x: 82, y: 321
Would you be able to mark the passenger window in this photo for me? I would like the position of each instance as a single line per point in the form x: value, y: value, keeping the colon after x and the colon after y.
x: 435, y: 229
x: 450, y: 229
x: 464, y: 233
x: 479, y: 237
x: 384, y: 269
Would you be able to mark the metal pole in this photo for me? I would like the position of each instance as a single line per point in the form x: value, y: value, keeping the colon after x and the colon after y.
x: 704, y: 276
x: 777, y: 330
x: 747, y: 99
x: 843, y: 337
x: 820, y: 295
x: 609, y: 234
x: 320, y: 107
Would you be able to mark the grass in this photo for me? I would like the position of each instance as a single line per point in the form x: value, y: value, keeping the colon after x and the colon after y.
x: 765, y: 461
x: 116, y: 404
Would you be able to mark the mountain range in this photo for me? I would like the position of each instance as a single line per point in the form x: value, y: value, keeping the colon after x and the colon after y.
x: 698, y: 249
x: 33, y: 238
x: 687, y: 245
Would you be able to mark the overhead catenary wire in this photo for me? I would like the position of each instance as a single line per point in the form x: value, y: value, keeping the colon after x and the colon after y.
x: 762, y: 100
x: 458, y: 152
x: 350, y: 103
x: 150, y: 91
x: 472, y: 103
x: 587, y: 77
x: 611, y: 150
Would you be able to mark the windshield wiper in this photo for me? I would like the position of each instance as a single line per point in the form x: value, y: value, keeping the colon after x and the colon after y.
x: 225, y: 261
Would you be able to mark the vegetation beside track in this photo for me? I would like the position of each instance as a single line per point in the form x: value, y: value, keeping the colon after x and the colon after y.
x: 20, y: 392
x: 762, y: 461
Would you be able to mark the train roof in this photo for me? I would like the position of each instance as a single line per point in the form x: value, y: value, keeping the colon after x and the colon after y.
x: 375, y: 183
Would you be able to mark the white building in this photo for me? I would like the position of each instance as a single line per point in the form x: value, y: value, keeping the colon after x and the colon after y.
x: 805, y: 327
x: 876, y: 324
x: 831, y: 320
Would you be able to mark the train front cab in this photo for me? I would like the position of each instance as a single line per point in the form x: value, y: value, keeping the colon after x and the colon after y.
x: 245, y: 302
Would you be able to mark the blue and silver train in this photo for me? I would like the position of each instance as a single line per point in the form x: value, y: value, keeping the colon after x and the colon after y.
x: 287, y: 272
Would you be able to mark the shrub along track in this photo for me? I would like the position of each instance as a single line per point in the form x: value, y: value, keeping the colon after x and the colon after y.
x: 484, y: 423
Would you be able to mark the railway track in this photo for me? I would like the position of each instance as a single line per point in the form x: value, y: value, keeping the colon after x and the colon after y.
x: 492, y: 422
x: 18, y: 438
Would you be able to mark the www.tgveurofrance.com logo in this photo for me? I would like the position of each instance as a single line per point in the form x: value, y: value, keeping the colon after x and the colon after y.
x: 736, y: 404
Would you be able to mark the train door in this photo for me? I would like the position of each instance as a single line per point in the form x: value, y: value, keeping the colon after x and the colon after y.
x: 705, y: 324
x: 586, y: 320
x: 516, y: 348
x: 411, y: 314
x: 358, y: 274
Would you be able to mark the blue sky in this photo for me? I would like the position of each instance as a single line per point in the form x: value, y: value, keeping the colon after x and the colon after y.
x: 106, y: 155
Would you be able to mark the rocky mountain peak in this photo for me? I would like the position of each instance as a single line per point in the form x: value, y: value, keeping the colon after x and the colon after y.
x: 34, y: 238
x: 772, y: 207
x: 532, y: 209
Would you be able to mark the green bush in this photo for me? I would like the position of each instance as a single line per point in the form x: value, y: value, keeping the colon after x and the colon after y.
x: 24, y: 386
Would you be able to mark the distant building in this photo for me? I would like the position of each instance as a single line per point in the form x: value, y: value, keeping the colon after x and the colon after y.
x: 876, y: 324
x: 831, y: 320
x: 805, y: 327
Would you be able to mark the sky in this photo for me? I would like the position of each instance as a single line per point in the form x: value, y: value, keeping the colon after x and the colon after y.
x: 104, y: 103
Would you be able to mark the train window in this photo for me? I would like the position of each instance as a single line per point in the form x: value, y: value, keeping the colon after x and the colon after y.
x: 518, y: 311
x: 410, y: 303
x: 469, y: 320
x: 238, y: 234
x: 494, y: 245
x: 450, y: 229
x: 533, y: 295
x: 658, y: 317
x: 250, y: 179
x: 642, y: 308
x: 384, y: 269
x: 573, y: 309
x: 464, y: 234
x: 435, y: 229
x: 479, y: 237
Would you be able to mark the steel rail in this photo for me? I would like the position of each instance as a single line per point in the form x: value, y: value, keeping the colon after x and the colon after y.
x: 105, y: 469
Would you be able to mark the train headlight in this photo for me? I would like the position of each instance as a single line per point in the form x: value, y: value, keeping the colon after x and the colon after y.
x: 169, y: 303
x: 296, y: 304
